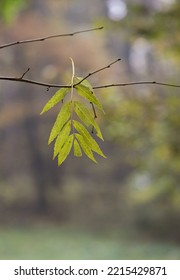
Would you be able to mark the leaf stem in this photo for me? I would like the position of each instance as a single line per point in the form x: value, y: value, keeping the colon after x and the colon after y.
x: 72, y: 78
x: 72, y: 92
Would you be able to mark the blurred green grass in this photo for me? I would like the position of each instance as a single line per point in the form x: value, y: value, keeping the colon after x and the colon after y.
x: 52, y: 242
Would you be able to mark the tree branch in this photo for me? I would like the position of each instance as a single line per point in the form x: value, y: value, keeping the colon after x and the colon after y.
x: 24, y: 73
x: 136, y: 83
x: 96, y: 71
x: 48, y: 85
x: 28, y: 81
x: 13, y: 79
x: 48, y: 37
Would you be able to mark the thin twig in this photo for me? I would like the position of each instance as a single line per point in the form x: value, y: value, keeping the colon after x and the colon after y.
x: 47, y: 85
x: 96, y: 71
x: 24, y: 73
x: 48, y: 37
x: 95, y: 115
x: 94, y: 111
x: 136, y: 83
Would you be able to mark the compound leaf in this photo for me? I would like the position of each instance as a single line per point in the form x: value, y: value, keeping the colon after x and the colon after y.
x: 77, y: 149
x: 85, y: 147
x: 62, y: 138
x: 79, y: 138
x: 57, y: 97
x: 61, y: 119
x: 65, y: 150
x: 88, y: 94
x: 85, y: 116
x: 91, y: 143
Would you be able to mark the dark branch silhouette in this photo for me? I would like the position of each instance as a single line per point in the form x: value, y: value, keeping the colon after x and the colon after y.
x: 48, y: 37
x: 136, y: 83
x: 48, y: 85
x: 24, y: 73
x: 28, y: 81
x: 21, y: 78
x: 96, y: 71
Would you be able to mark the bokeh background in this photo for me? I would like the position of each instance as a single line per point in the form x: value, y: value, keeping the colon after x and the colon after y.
x: 128, y: 205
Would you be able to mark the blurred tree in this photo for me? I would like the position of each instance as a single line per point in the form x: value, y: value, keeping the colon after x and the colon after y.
x: 10, y: 8
x: 146, y: 123
x: 25, y: 132
x: 43, y: 171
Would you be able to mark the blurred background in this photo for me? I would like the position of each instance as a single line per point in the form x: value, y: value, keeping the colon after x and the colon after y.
x: 128, y: 205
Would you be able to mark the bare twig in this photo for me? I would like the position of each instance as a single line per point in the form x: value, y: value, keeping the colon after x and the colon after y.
x: 48, y: 37
x: 24, y: 73
x: 48, y: 85
x: 96, y: 71
x: 95, y: 115
x: 28, y: 81
x: 136, y: 83
x: 94, y: 111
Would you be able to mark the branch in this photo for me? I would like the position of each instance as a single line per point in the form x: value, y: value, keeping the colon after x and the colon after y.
x: 96, y: 71
x: 136, y: 83
x: 24, y: 73
x: 20, y: 79
x: 47, y: 85
x: 28, y: 81
x: 122, y: 84
x: 48, y: 37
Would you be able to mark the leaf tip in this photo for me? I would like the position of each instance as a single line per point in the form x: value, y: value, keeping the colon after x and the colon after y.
x: 49, y: 141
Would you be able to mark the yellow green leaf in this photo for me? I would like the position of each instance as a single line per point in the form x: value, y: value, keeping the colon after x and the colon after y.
x: 88, y: 94
x: 77, y: 149
x: 61, y: 119
x: 65, y: 150
x: 62, y: 138
x: 85, y: 147
x: 85, y: 116
x: 57, y: 97
x: 91, y: 143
